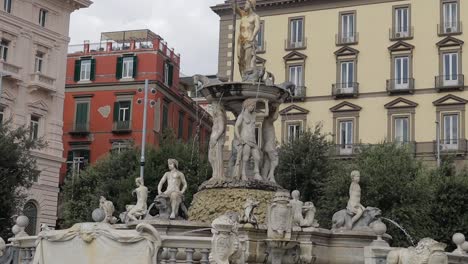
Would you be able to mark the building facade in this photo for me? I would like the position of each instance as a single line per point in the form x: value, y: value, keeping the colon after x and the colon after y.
x: 103, y: 104
x: 368, y: 71
x: 33, y: 50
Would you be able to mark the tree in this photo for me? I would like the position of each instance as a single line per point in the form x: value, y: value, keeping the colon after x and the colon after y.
x: 18, y: 169
x: 114, y: 177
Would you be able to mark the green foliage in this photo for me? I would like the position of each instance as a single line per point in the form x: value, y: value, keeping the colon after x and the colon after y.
x: 17, y: 169
x: 114, y: 177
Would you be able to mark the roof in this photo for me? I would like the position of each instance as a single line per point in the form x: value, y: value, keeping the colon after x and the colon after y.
x: 128, y: 35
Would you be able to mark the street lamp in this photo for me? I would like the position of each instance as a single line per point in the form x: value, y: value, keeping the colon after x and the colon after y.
x: 144, y: 101
x: 438, y: 142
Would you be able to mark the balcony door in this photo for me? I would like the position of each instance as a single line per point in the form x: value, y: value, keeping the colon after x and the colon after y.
x: 402, y: 22
x: 347, y: 77
x: 450, y: 69
x: 451, y: 127
x: 347, y: 28
x: 401, y: 130
x: 297, y: 33
x: 296, y: 77
x: 401, y: 73
x: 346, y: 137
x: 450, y: 17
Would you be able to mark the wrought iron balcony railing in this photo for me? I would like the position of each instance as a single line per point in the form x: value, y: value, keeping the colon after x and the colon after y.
x: 405, y: 85
x: 401, y: 33
x: 348, y: 89
x: 347, y: 38
x: 457, y: 146
x: 80, y: 128
x: 450, y: 28
x: 291, y: 44
x: 122, y: 127
x: 453, y: 81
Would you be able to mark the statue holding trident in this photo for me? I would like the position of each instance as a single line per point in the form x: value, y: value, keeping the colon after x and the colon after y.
x: 249, y: 28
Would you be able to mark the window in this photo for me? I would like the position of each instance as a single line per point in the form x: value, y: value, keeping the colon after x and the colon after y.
x: 180, y: 133
x: 42, y: 17
x: 348, y: 28
x: 168, y: 74
x: 347, y: 76
x: 294, y: 130
x: 450, y: 132
x: 296, y: 74
x: 7, y: 5
x: 85, y: 74
x: 296, y: 37
x: 77, y: 160
x: 81, y: 116
x: 261, y: 37
x: 38, y: 61
x: 165, y: 113
x: 4, y: 49
x: 34, y: 127
x: 120, y: 146
x: 122, y: 115
x: 2, y: 114
x: 450, y: 66
x: 346, y: 137
x: 30, y: 211
x: 401, y: 133
x: 401, y: 72
x: 450, y: 17
x: 402, y: 26
x: 127, y: 67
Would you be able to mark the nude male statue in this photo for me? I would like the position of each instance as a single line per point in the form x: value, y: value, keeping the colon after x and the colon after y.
x: 270, y: 152
x: 174, y: 179
x: 217, y: 139
x: 249, y: 28
x: 354, y: 204
x: 138, y: 210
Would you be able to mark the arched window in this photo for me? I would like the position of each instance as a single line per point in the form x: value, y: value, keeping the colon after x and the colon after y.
x: 30, y: 210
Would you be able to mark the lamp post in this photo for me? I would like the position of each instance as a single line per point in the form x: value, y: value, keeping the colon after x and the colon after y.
x: 438, y: 143
x: 144, y: 101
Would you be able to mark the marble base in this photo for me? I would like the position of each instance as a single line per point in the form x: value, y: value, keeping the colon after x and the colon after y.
x: 230, y: 183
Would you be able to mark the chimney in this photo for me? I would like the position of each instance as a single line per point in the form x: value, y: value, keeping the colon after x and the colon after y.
x: 132, y: 44
x: 109, y: 46
x: 86, y: 46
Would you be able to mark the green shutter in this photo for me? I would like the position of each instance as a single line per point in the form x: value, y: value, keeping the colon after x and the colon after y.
x: 93, y: 70
x: 135, y: 64
x: 181, y: 125
x: 81, y: 114
x: 165, y: 114
x: 118, y: 69
x: 116, y: 111
x: 77, y: 70
x: 171, y: 73
x: 86, y: 157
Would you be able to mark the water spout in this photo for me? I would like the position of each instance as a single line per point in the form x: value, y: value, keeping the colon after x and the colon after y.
x: 410, y: 239
x: 196, y: 230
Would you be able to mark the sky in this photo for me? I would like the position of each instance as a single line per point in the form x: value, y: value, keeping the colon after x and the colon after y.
x: 188, y: 26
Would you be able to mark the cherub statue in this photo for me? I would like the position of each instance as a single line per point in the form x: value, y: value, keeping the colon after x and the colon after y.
x: 135, y: 212
x: 108, y: 208
x: 249, y: 212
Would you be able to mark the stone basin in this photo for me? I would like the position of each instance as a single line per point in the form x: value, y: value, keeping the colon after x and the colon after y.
x: 233, y: 94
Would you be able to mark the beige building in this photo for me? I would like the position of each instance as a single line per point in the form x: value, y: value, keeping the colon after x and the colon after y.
x: 367, y: 70
x: 33, y: 51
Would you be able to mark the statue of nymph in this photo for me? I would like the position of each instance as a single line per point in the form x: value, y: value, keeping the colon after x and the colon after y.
x: 217, y: 139
x: 136, y: 211
x: 270, y: 152
x: 249, y: 28
x: 176, y: 186
x: 354, y: 204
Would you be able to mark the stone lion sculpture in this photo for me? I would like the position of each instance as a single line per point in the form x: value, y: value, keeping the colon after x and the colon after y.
x: 162, y: 204
x: 343, y: 219
x: 428, y: 251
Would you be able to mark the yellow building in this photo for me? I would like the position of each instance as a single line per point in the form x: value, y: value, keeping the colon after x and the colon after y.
x: 367, y: 70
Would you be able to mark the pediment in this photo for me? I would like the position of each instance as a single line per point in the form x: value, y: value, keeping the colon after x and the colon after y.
x: 345, y: 107
x: 450, y: 100
x: 401, y: 46
x: 450, y: 42
x: 294, y: 55
x: 347, y: 51
x: 7, y: 95
x: 401, y: 103
x: 294, y: 110
x: 41, y: 105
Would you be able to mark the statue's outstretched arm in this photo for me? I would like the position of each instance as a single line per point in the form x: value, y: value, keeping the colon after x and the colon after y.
x: 257, y: 27
x: 161, y: 183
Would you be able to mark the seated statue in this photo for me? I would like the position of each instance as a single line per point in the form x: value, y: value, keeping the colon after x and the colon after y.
x: 300, y: 210
x: 137, y: 211
x: 248, y: 216
x: 428, y: 251
x: 176, y: 187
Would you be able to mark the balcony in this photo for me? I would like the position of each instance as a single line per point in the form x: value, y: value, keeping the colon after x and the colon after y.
x: 450, y: 82
x: 294, y: 45
x: 80, y: 129
x: 341, y: 90
x: 345, y: 150
x: 400, y: 86
x: 450, y: 28
x: 40, y: 81
x: 122, y: 127
x: 401, y: 34
x: 10, y: 70
x: 297, y: 94
x: 349, y: 38
x: 458, y: 147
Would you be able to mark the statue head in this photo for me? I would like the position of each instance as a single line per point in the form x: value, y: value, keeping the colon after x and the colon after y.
x: 295, y: 194
x: 249, y: 104
x: 355, y: 176
x: 173, y: 164
x: 102, y: 199
x: 250, y: 4
x: 138, y: 182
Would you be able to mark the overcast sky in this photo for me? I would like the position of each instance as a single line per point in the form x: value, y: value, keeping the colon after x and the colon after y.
x: 189, y: 26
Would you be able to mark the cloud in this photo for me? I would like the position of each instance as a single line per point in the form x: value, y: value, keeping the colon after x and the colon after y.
x: 189, y: 26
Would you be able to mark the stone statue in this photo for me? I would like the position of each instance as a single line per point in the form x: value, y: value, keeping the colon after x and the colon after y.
x: 19, y: 228
x: 249, y: 212
x: 354, y: 207
x: 225, y: 241
x: 217, y: 139
x: 2, y: 247
x: 343, y: 220
x: 280, y: 217
x: 428, y: 251
x: 176, y: 186
x: 45, y: 227
x: 300, y: 209
x: 249, y: 28
x: 108, y: 208
x: 244, y: 130
x: 137, y: 211
x: 270, y: 152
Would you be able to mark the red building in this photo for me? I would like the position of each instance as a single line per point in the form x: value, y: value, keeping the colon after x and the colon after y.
x: 102, y: 113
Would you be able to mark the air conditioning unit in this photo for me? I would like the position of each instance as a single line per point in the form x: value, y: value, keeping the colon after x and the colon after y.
x: 398, y: 35
x: 449, y: 30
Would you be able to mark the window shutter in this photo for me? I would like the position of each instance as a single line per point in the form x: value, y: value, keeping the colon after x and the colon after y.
x: 171, y: 71
x: 93, y: 70
x: 116, y: 111
x: 129, y: 105
x: 77, y: 70
x: 135, y: 64
x: 118, y: 69
x: 81, y: 113
x: 86, y: 157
